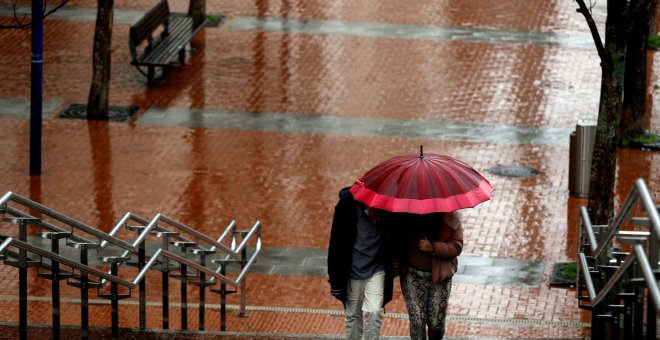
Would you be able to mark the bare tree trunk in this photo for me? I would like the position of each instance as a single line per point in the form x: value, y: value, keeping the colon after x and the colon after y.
x: 612, y: 60
x: 603, y: 168
x: 633, y: 116
x: 197, y: 10
x: 98, y: 101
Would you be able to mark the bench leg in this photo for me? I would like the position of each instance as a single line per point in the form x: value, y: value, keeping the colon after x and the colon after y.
x: 151, y: 73
x: 182, y: 56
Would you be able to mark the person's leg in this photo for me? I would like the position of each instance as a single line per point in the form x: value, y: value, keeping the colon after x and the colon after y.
x: 353, y: 309
x: 372, y: 308
x: 414, y: 293
x: 437, y: 309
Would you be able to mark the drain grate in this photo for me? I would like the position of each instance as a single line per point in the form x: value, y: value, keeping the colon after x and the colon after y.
x: 115, y: 113
x: 513, y: 171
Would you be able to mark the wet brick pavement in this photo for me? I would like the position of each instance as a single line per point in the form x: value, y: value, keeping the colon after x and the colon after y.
x: 285, y: 103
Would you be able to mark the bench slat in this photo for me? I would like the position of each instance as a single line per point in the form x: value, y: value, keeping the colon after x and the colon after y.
x: 168, y: 47
x: 160, y: 50
x: 150, y: 22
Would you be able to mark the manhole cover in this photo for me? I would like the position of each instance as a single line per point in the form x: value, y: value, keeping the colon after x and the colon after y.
x: 513, y: 171
x: 115, y: 113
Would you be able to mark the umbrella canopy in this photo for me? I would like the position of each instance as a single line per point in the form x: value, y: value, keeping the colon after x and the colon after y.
x: 422, y: 184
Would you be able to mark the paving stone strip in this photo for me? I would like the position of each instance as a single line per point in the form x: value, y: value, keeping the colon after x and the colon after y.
x: 42, y: 331
x: 340, y: 125
x: 344, y: 28
x: 313, y: 262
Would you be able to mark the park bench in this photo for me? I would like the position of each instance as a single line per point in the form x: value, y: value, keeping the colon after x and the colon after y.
x: 158, y: 37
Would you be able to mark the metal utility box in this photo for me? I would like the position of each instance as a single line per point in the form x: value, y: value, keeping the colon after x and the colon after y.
x: 581, y: 152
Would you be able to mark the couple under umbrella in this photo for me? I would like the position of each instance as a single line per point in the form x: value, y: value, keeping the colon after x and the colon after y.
x: 400, y: 218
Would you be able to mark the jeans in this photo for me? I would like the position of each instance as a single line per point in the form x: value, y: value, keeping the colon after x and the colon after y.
x: 364, y: 307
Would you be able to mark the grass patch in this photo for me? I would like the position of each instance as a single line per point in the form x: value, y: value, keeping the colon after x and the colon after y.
x: 564, y: 274
x: 654, y: 42
x: 641, y: 140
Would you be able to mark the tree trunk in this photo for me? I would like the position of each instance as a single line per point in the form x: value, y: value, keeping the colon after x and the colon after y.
x: 633, y: 117
x: 98, y: 101
x: 197, y: 10
x: 603, y: 167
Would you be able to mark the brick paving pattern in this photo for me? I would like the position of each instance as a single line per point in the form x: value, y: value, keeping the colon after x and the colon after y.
x: 288, y: 177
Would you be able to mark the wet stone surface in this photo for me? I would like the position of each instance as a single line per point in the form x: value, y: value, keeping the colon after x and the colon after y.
x: 513, y: 171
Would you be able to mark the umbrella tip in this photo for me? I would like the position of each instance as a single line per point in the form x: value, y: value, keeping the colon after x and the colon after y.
x: 421, y: 151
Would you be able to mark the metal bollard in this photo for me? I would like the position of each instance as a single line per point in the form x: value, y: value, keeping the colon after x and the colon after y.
x: 581, y: 152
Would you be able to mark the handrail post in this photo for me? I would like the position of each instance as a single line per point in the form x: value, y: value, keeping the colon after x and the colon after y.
x: 183, y: 277
x: 141, y: 262
x: 223, y: 300
x: 222, y: 270
x: 85, y: 284
x: 165, y: 276
x: 114, y: 295
x: 202, y: 283
x: 23, y: 264
x: 243, y: 313
x: 651, y: 318
x: 55, y: 276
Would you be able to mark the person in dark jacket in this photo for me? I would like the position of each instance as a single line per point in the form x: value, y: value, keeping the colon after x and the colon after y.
x: 359, y: 265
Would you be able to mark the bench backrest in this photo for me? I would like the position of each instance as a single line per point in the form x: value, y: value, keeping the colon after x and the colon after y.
x: 143, y: 29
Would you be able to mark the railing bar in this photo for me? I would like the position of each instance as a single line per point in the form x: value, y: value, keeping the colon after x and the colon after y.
x: 198, y: 234
x: 69, y: 221
x: 588, y: 227
x: 247, y: 266
x: 47, y: 225
x: 70, y: 263
x: 228, y: 230
x: 651, y: 282
x: 614, y: 280
x: 584, y: 267
x: 175, y: 257
x: 618, y: 221
x: 255, y: 228
x: 5, y: 244
x: 649, y: 206
x: 6, y: 198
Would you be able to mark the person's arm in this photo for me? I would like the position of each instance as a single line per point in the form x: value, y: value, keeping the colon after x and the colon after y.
x: 337, y: 254
x: 452, y: 247
x: 447, y: 249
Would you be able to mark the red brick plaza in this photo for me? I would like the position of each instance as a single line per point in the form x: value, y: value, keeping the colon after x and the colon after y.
x: 286, y: 102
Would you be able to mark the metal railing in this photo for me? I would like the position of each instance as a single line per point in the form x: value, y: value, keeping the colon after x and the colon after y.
x: 619, y: 287
x: 190, y: 261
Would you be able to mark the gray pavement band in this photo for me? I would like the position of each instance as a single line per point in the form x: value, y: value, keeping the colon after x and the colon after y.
x: 475, y: 270
x: 344, y: 28
x: 356, y: 126
x: 326, y: 124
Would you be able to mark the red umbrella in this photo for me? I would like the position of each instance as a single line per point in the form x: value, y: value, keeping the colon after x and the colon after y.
x: 422, y: 184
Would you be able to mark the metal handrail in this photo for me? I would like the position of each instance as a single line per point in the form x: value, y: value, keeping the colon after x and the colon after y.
x: 45, y: 225
x: 64, y: 219
x: 649, y: 277
x: 644, y: 254
x: 232, y: 253
x: 9, y: 241
x: 588, y: 227
x: 133, y: 248
x: 5, y: 244
x: 621, y: 217
x: 153, y: 225
x: 650, y: 207
x: 589, y: 283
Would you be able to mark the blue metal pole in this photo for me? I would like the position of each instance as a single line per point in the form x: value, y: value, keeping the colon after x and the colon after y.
x: 36, y: 93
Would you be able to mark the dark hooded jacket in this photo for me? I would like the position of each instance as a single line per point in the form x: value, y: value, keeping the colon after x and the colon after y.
x: 340, y: 249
